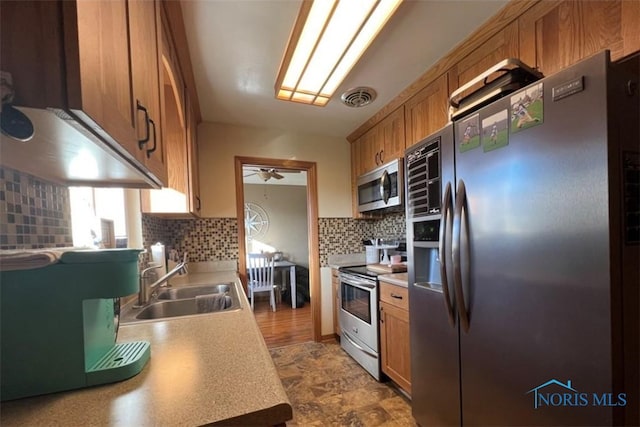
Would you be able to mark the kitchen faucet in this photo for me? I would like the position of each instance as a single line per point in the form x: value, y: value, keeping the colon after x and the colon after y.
x: 146, y: 291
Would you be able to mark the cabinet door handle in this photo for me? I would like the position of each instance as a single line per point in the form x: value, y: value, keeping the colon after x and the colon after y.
x: 377, y: 158
x: 155, y: 142
x: 143, y: 141
x: 381, y: 316
x: 199, y: 203
x: 396, y: 296
x: 381, y: 156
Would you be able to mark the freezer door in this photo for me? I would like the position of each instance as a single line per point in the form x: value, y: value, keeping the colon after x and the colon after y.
x: 435, y: 391
x: 534, y: 257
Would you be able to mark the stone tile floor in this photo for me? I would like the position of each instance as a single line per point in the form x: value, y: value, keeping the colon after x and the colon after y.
x: 328, y: 388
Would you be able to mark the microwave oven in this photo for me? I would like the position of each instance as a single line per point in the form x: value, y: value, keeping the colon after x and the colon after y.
x: 381, y: 188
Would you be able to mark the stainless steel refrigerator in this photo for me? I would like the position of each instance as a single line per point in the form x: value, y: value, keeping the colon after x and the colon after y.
x: 522, y: 237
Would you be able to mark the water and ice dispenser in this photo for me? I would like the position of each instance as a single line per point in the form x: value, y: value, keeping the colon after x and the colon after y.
x: 427, y: 267
x: 426, y: 264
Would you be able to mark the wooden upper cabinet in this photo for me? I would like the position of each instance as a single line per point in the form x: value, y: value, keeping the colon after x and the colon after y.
x: 555, y: 35
x: 426, y: 111
x: 181, y: 196
x: 380, y: 144
x: 145, y: 36
x: 86, y: 64
x: 176, y: 135
x: 370, y: 145
x: 111, y: 54
x: 393, y: 136
x: 99, y: 69
x: 502, y: 45
x: 195, y: 202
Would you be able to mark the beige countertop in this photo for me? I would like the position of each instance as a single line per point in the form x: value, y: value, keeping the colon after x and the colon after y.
x: 210, y: 368
x: 399, y: 279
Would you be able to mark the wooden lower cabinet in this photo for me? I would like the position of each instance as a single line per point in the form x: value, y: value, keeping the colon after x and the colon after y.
x: 395, y: 352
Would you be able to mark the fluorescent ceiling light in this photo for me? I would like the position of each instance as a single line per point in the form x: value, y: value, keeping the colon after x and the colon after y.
x: 327, y: 40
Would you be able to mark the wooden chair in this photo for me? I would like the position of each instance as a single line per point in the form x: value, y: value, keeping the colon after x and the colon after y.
x: 260, y: 268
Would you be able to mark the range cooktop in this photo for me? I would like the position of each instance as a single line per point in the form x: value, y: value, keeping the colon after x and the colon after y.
x: 360, y: 270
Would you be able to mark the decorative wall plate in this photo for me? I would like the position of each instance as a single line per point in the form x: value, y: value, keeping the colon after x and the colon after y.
x: 256, y: 220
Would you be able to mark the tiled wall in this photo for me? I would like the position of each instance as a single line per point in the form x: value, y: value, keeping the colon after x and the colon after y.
x: 217, y: 238
x: 390, y: 226
x: 205, y: 239
x: 154, y: 230
x: 33, y: 213
x: 342, y: 236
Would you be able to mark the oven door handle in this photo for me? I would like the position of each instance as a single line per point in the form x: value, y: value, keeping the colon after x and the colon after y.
x: 358, y: 346
x: 358, y: 284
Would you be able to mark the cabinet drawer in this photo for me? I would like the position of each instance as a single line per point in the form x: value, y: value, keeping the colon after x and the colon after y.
x: 394, y: 295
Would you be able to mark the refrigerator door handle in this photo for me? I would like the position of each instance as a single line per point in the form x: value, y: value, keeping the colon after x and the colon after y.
x: 444, y: 221
x: 458, y: 274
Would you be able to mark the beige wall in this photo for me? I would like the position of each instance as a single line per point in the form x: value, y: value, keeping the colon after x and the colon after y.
x: 286, y: 206
x: 219, y: 143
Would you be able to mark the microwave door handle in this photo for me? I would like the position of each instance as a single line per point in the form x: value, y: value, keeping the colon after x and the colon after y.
x: 384, y: 187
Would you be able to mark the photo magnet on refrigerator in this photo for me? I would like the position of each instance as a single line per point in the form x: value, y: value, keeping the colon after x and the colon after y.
x: 527, y: 108
x: 495, y: 131
x: 468, y: 133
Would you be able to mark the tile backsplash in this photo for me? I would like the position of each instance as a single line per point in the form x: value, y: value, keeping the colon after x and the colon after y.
x: 34, y: 213
x: 390, y: 226
x: 208, y: 239
x: 153, y: 230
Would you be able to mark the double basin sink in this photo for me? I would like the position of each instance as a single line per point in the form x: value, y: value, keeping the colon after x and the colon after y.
x: 185, y: 301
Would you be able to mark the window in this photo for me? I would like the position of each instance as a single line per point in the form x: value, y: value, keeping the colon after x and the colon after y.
x: 89, y: 206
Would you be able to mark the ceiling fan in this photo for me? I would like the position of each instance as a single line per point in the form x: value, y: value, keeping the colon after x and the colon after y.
x: 266, y: 174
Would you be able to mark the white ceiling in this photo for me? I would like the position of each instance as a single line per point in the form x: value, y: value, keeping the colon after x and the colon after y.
x: 289, y: 178
x: 236, y: 47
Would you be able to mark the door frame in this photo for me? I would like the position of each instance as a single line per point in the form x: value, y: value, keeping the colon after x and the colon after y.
x: 312, y: 227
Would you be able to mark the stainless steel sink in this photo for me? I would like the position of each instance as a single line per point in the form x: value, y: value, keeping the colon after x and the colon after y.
x: 180, y: 307
x: 182, y: 301
x: 192, y: 291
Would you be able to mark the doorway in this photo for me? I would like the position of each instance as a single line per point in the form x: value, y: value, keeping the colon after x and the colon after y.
x: 312, y: 225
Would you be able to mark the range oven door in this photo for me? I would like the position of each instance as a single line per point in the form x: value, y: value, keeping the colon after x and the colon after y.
x: 359, y: 321
x: 381, y: 188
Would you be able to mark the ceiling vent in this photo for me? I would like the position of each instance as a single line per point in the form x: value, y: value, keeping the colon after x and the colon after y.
x: 358, y: 97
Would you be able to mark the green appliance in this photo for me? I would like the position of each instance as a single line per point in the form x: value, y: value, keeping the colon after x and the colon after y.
x: 58, y: 325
